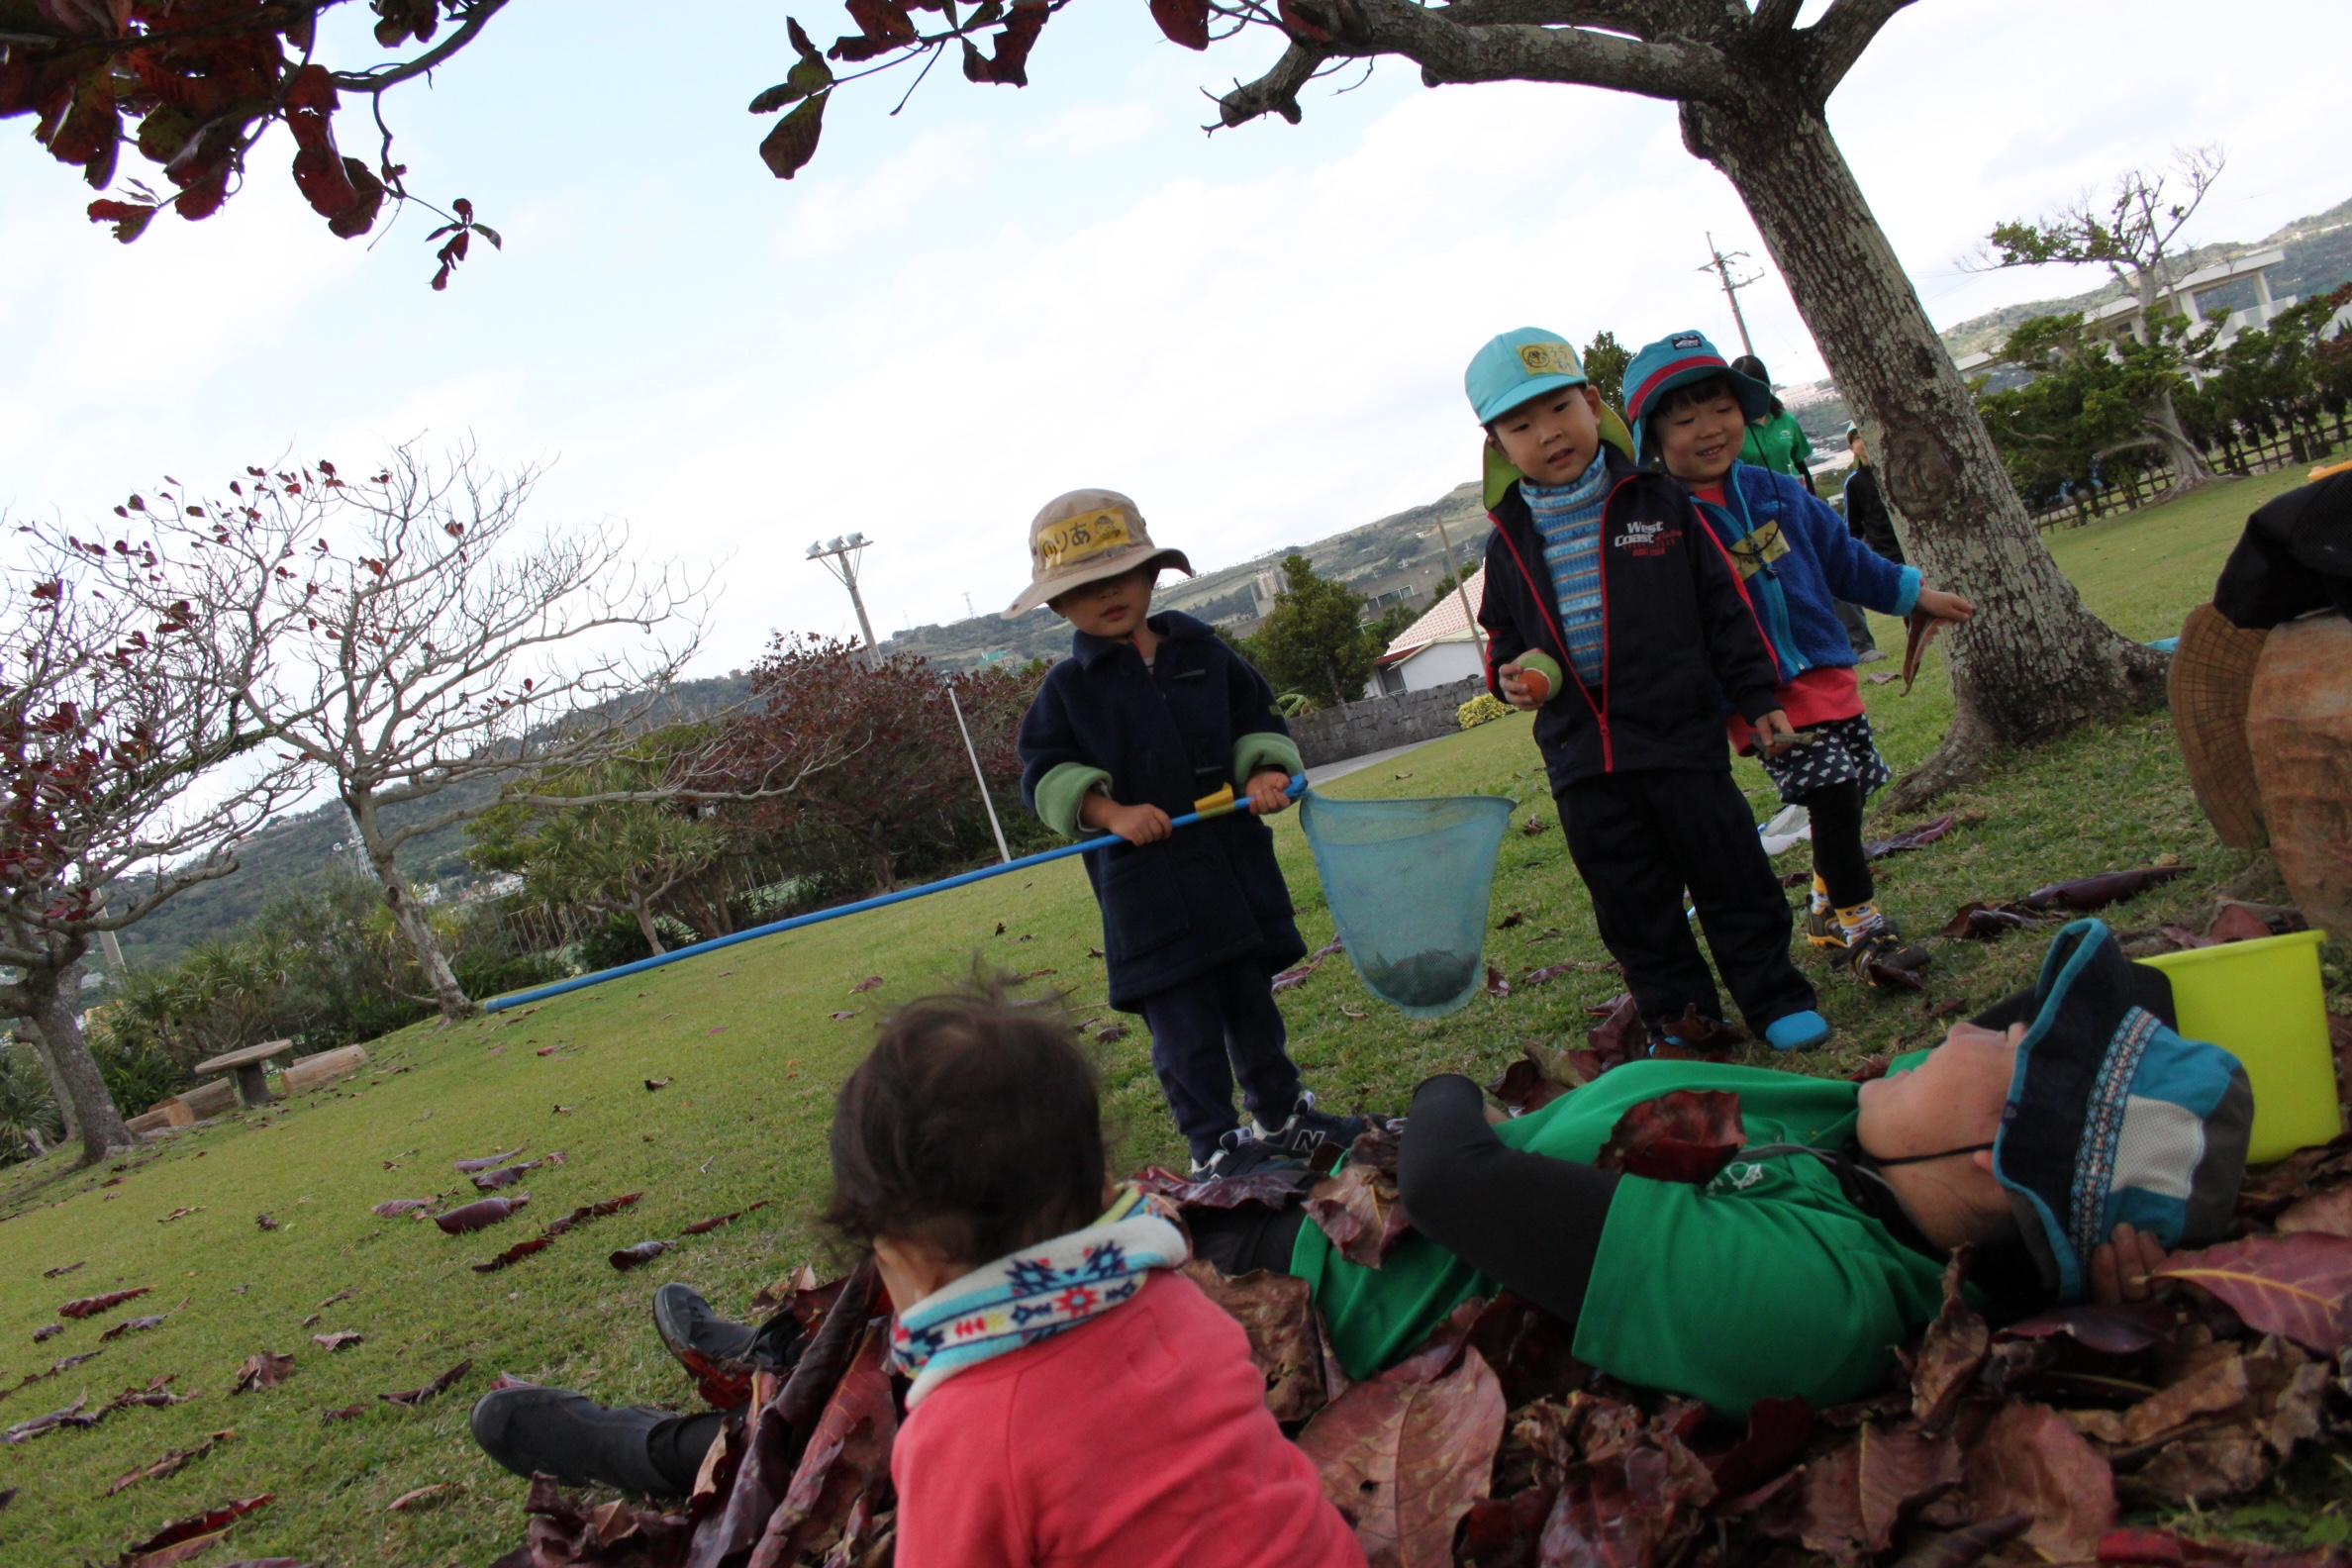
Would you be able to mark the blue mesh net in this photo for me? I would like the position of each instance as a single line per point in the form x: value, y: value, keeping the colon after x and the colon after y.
x: 1408, y: 883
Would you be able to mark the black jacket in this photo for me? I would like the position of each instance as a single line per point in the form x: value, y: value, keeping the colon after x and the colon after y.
x: 1208, y: 894
x: 1676, y: 627
x: 1867, y: 518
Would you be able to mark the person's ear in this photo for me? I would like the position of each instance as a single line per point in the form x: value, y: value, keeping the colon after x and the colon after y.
x: 1591, y: 398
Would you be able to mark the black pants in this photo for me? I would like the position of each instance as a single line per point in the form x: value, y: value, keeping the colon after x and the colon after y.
x: 1639, y: 840
x: 1837, y: 853
x: 1529, y: 1222
x: 1857, y: 628
x: 1207, y: 1032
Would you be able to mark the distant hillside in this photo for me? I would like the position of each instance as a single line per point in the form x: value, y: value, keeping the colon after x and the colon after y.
x: 291, y: 849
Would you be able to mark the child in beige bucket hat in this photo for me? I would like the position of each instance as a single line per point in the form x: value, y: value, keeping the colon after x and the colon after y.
x: 1149, y: 714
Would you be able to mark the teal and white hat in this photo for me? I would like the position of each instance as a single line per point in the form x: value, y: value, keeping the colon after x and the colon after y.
x: 1513, y: 367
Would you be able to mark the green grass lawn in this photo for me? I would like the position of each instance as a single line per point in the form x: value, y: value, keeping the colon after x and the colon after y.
x: 752, y: 1047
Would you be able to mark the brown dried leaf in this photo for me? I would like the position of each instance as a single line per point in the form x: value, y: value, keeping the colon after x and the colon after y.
x: 266, y: 1222
x: 439, y: 1385
x: 182, y: 1539
x: 339, y: 1339
x: 480, y: 1213
x: 652, y: 1084
x: 469, y: 1166
x: 869, y: 983
x: 394, y: 1208
x: 2094, y: 893
x: 1852, y: 1497
x: 1405, y: 1461
x: 2329, y: 1213
x: 56, y: 1420
x: 846, y: 1455
x: 1277, y: 1311
x: 180, y: 1213
x: 63, y: 1269
x: 2292, y: 1284
x: 2123, y: 1330
x: 639, y: 1254
x: 1684, y: 1135
x: 133, y: 1326
x: 171, y: 1463
x: 1270, y: 1186
x: 92, y: 1306
x: 1950, y: 1354
x: 2028, y: 1460
x: 265, y: 1370
x: 421, y: 1494
x: 51, y: 1331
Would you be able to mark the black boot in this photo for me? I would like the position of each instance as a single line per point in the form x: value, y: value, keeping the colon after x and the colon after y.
x: 720, y: 1354
x: 555, y: 1433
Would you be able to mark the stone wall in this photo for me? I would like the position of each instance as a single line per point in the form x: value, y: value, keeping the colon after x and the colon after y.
x: 1378, y: 722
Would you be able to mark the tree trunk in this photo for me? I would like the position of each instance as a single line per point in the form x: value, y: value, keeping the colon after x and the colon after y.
x: 644, y: 919
x: 2188, y: 466
x: 59, y: 1020
x: 2035, y: 663
x: 409, y: 916
x: 71, y: 1123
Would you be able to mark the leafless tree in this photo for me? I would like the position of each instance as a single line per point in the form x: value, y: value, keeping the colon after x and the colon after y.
x: 111, y: 711
x: 422, y: 638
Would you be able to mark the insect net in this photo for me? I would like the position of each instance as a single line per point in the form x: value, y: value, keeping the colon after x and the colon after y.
x: 1408, y: 883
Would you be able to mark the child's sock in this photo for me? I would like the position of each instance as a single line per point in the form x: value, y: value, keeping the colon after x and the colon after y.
x: 1820, y: 895
x: 1861, y: 919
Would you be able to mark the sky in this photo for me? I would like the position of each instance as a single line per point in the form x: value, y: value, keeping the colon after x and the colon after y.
x: 960, y: 311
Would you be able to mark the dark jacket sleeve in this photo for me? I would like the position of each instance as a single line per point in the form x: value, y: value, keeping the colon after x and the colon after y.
x: 1505, y: 641
x: 1047, y: 739
x: 1735, y: 644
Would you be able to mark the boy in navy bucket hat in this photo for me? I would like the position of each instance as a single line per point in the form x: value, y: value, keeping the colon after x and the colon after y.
x: 1614, y: 617
x: 1691, y: 414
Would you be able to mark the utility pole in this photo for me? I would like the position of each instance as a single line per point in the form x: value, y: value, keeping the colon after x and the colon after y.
x: 1720, y: 265
x: 840, y: 556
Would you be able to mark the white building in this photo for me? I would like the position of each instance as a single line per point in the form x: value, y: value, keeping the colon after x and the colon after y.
x: 2123, y: 317
x: 1441, y: 648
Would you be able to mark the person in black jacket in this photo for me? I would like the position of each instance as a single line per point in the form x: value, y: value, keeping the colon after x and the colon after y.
x: 1149, y: 714
x: 1613, y: 616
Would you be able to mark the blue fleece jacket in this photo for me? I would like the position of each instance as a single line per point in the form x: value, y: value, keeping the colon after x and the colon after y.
x: 1798, y: 558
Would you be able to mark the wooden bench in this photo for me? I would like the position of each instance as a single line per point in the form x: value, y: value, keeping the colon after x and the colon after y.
x: 245, y: 1066
x: 309, y: 1072
x: 192, y: 1106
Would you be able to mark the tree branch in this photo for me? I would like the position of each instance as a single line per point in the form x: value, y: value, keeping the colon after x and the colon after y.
x: 1840, y: 36
x: 381, y: 78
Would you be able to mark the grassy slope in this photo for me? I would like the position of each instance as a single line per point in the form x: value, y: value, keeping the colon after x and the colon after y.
x: 749, y: 1039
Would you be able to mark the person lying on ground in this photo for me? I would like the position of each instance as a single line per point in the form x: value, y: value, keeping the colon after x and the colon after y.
x: 2068, y: 1135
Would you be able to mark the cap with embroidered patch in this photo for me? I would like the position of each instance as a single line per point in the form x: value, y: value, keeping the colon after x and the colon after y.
x: 1677, y: 360
x: 1517, y: 365
x: 1083, y: 538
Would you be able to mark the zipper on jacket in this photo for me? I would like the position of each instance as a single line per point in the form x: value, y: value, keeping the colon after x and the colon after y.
x: 1551, y: 614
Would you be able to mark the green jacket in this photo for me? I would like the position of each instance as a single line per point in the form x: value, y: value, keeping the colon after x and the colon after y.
x: 1767, y: 1282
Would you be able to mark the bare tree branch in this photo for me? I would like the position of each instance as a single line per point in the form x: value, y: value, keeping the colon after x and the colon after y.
x: 1840, y: 36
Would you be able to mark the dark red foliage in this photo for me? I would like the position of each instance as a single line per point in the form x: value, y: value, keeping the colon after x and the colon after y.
x: 2124, y: 1329
x: 265, y: 1370
x: 488, y: 1160
x: 1407, y: 1459
x: 1986, y: 922
x: 1275, y: 1187
x: 1687, y: 1136
x: 92, y: 1306
x: 538, y: 1243
x: 1358, y: 1206
x: 705, y: 1227
x: 1185, y: 22
x: 1918, y: 838
x: 2094, y: 893
x: 2298, y: 1286
x: 171, y: 1543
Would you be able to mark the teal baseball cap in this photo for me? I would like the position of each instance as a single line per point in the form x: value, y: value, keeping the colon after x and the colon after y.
x: 1517, y: 365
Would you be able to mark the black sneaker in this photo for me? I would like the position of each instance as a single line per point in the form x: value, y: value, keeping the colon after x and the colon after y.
x: 1308, y: 1129
x: 720, y: 1352
x: 553, y: 1431
x: 1240, y: 1153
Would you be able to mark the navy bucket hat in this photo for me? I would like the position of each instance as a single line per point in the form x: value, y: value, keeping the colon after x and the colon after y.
x: 2112, y: 1117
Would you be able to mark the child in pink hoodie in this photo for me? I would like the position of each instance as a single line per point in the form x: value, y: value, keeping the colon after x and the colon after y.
x: 1075, y: 1400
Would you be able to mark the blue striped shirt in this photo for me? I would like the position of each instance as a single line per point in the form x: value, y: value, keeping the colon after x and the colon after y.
x: 1568, y: 521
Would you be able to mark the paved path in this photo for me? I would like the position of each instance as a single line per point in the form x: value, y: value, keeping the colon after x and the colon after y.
x: 1327, y: 772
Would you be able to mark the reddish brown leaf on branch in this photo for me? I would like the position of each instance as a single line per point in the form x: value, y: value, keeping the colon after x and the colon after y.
x: 480, y: 1213
x: 263, y: 1371
x: 2293, y: 1285
x: 1406, y: 1460
x: 1006, y: 63
x: 786, y: 150
x: 1185, y: 22
x: 92, y: 1306
x: 1687, y: 1136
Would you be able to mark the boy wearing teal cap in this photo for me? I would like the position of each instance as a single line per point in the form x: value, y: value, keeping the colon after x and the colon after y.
x: 1614, y: 617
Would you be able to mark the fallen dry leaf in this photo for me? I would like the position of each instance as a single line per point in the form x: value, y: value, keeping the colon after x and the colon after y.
x: 441, y: 1385
x: 172, y: 1545
x: 92, y: 1306
x: 538, y: 1243
x: 2028, y: 1460
x: 56, y: 1420
x: 63, y: 1269
x: 265, y: 1222
x: 2292, y: 1284
x: 1358, y: 1206
x: 480, y: 1213
x: 639, y: 1254
x: 1686, y: 1135
x: 1406, y: 1460
x: 2094, y: 893
x: 339, y: 1339
x: 653, y: 1084
x: 869, y: 983
x: 134, y: 1325
x: 47, y: 1331
x: 394, y: 1208
x: 265, y: 1370
x: 421, y: 1494
x: 469, y: 1166
x: 1277, y: 1311
x: 705, y: 1227
x: 2329, y: 1213
x: 171, y: 1463
x: 180, y: 1213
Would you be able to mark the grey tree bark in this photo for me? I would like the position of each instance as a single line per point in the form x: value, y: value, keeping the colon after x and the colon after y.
x: 58, y: 1096
x: 50, y: 1003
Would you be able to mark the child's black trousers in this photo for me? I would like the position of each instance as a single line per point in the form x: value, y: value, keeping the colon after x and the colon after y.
x: 1207, y: 1032
x: 1639, y: 840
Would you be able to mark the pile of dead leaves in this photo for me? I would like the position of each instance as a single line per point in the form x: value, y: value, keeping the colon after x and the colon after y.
x: 1491, y: 1447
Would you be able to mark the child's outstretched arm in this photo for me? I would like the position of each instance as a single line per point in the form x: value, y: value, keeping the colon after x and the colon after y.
x: 1853, y: 570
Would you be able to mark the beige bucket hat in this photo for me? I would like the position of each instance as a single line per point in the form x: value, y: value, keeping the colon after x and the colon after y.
x: 1083, y: 538
x: 2212, y: 676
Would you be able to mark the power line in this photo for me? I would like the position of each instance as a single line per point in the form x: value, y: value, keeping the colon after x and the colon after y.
x: 1720, y: 265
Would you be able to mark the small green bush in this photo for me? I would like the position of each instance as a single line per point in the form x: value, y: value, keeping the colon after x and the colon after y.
x: 1480, y: 709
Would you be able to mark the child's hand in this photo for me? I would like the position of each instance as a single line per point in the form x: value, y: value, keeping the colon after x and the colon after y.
x: 1515, y: 691
x: 1268, y: 791
x: 2120, y: 1268
x: 1138, y: 824
x: 1774, y: 733
x: 1945, y: 606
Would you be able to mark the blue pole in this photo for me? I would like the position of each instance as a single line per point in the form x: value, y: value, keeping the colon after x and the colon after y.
x: 1298, y: 785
